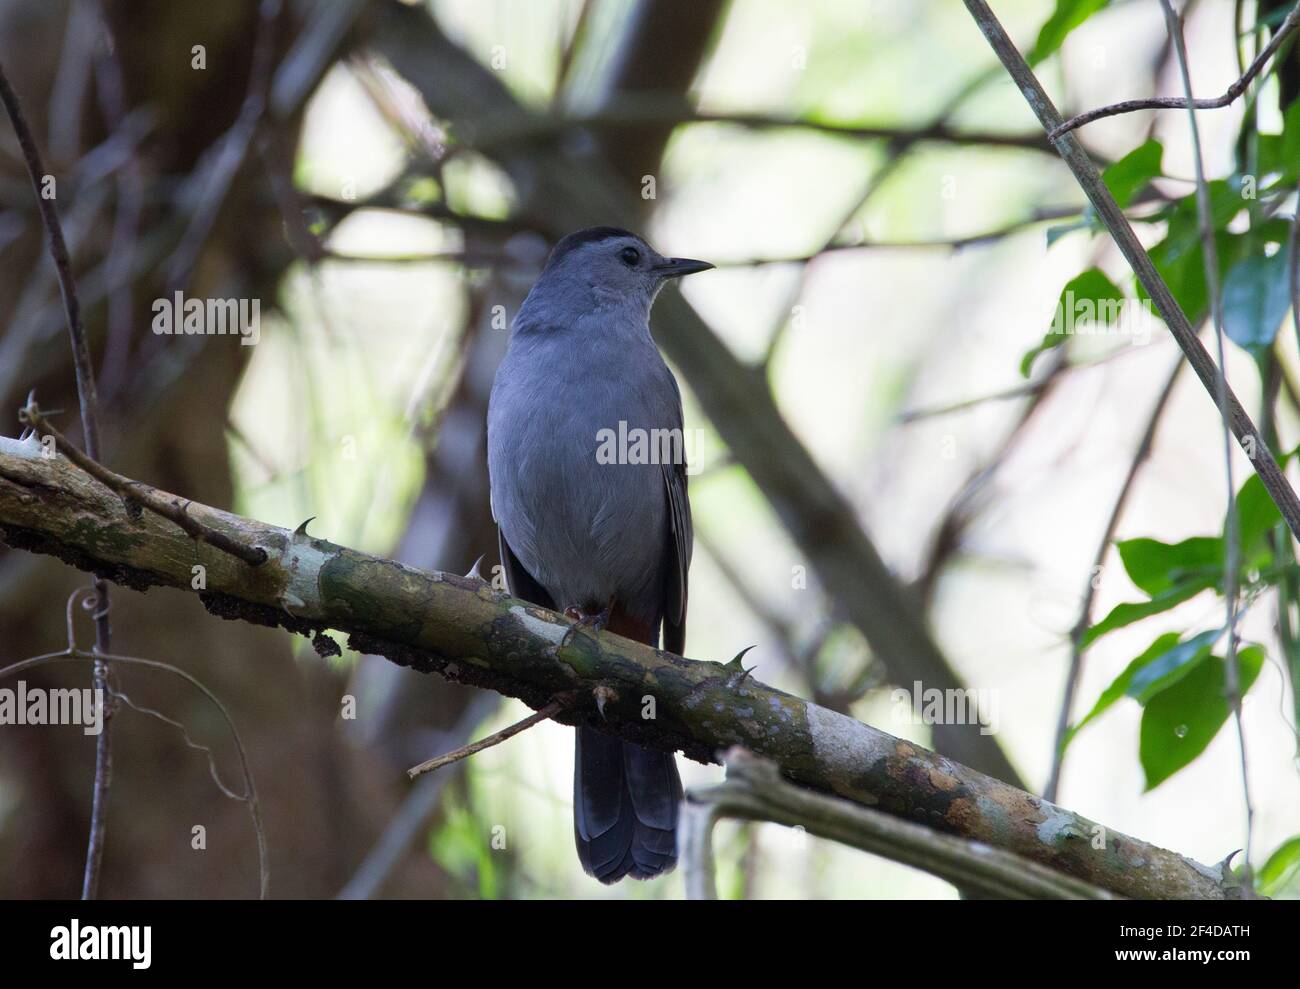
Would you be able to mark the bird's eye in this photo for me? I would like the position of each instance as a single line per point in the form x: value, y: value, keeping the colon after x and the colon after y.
x: 630, y: 256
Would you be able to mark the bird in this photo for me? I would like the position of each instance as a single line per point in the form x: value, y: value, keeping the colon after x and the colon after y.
x: 605, y: 539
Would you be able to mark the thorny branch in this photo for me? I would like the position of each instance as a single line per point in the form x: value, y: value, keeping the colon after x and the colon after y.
x: 465, y: 630
x: 139, y: 493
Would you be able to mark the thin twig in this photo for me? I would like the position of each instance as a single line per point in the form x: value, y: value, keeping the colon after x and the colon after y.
x: 88, y: 400
x: 1186, y: 102
x: 138, y: 492
x: 496, y: 738
x: 1232, y: 548
x: 654, y: 109
x: 1085, y: 609
x: 936, y: 244
x: 934, y: 411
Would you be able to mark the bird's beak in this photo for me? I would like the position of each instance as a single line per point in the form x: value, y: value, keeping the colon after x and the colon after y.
x: 677, y: 267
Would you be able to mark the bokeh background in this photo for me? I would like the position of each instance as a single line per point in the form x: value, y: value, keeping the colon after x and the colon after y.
x: 876, y: 196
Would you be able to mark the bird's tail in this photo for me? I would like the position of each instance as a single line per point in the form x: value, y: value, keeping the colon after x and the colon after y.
x: 625, y: 801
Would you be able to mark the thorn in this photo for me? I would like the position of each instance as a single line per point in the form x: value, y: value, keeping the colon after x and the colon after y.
x: 474, y: 571
x: 302, y: 528
x: 1225, y: 868
x: 735, y: 663
x: 739, y: 674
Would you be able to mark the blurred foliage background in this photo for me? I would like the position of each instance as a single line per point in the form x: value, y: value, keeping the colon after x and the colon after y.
x: 892, y: 235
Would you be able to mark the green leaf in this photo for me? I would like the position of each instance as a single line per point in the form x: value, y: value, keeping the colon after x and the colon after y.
x: 1290, y: 162
x: 1179, y: 722
x: 1280, y: 868
x: 1183, y: 234
x: 1087, y: 299
x: 1167, y: 668
x: 1130, y: 612
x: 1068, y: 15
x: 1119, y: 686
x: 1156, y: 567
x: 1128, y: 176
x: 1255, y: 298
x: 1269, y: 151
x: 1256, y: 517
x: 1179, y: 257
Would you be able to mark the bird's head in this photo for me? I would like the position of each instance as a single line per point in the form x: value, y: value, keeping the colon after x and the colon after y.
x: 609, y: 265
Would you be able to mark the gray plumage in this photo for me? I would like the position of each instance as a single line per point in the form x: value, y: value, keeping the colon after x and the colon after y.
x: 577, y: 533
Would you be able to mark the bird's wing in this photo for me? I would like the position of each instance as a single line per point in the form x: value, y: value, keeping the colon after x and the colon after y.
x: 678, y: 562
x: 519, y: 581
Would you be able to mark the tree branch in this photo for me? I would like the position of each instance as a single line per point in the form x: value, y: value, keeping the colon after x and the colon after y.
x: 137, y: 492
x: 464, y: 630
x: 755, y: 791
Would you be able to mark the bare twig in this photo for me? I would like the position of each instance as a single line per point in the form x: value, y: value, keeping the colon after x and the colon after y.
x: 496, y: 738
x: 88, y: 400
x: 641, y: 109
x: 936, y: 244
x: 755, y: 791
x: 1232, y: 548
x: 1085, y: 609
x: 138, y: 492
x: 1233, y: 92
x: 932, y: 411
x: 1108, y: 211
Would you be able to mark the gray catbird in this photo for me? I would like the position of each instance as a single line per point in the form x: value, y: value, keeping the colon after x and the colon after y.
x: 598, y: 530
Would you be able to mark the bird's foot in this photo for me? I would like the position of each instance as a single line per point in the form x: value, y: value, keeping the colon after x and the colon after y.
x: 594, y: 621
